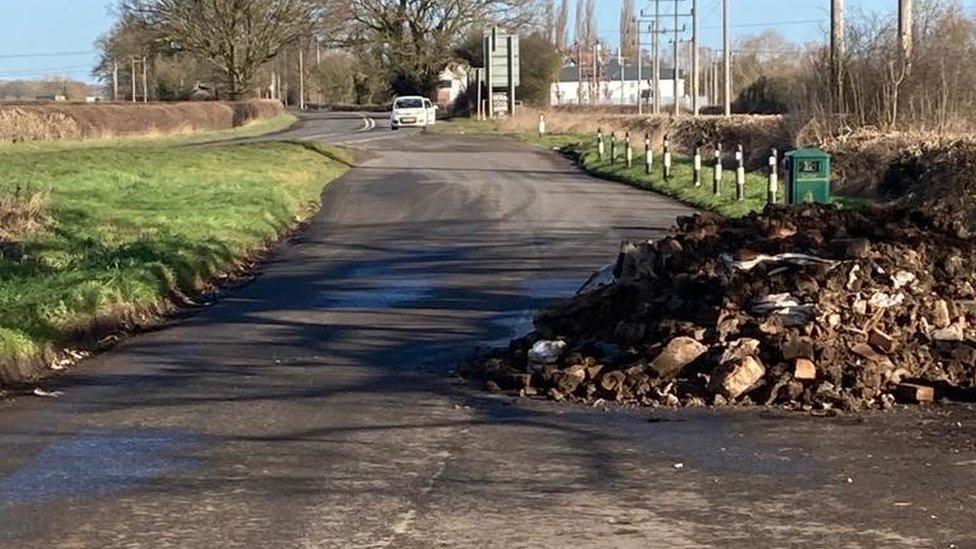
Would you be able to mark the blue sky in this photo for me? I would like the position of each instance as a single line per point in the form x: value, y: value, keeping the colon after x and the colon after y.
x: 67, y: 27
x: 32, y: 32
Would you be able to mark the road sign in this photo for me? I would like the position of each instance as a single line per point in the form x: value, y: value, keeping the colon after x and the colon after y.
x: 497, y: 57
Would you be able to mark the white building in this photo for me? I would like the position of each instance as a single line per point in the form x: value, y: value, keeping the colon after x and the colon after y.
x: 609, y: 90
x: 452, y: 83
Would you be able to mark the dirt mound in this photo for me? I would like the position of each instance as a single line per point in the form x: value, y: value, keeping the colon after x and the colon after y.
x: 812, y: 308
x: 55, y: 121
x: 932, y: 171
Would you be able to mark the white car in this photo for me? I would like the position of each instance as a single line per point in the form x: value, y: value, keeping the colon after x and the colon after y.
x: 414, y: 111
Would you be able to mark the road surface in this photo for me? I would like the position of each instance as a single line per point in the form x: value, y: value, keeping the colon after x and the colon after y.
x: 312, y: 407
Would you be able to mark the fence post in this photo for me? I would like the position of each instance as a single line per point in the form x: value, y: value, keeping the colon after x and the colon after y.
x: 740, y: 174
x: 648, y: 154
x: 717, y: 173
x: 667, y: 158
x: 698, y: 165
x: 542, y: 124
x: 630, y: 152
x: 773, y: 177
x: 599, y: 142
x: 613, y: 148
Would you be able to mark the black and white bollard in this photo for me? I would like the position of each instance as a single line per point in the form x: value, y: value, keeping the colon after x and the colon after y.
x: 613, y: 148
x: 599, y: 143
x: 740, y: 174
x: 629, y: 152
x: 717, y: 173
x: 667, y: 158
x: 698, y: 166
x: 648, y: 154
x: 773, y: 188
x: 542, y: 125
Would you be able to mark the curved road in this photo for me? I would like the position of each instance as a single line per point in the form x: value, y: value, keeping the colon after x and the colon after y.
x: 310, y: 407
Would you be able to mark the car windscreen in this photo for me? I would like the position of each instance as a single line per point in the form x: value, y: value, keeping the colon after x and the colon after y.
x: 409, y: 103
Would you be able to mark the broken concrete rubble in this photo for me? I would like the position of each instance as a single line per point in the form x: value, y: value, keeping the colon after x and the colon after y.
x: 809, y: 307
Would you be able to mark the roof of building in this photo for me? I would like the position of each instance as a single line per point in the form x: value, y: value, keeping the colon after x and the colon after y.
x: 611, y: 71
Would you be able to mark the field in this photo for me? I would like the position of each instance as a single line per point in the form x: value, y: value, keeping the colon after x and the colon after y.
x: 125, y: 224
x: 22, y: 122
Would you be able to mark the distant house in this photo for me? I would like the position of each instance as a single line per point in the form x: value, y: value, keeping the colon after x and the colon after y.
x: 50, y: 97
x: 575, y: 86
x: 452, y: 84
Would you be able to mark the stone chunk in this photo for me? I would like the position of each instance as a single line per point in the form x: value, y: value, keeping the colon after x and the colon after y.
x: 913, y: 393
x: 736, y: 378
x: 804, y: 370
x: 882, y: 341
x: 678, y: 353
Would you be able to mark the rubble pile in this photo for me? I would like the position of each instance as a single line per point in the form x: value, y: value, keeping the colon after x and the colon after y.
x: 812, y: 308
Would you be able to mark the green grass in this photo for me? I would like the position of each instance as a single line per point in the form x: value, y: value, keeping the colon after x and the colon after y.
x: 680, y: 185
x: 131, y: 222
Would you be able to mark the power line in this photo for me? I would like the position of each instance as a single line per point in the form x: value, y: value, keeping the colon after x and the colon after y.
x: 51, y: 54
x: 43, y: 71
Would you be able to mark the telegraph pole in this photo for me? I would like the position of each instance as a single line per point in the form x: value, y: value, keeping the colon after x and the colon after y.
x: 837, y: 53
x: 695, y: 107
x: 145, y: 81
x: 301, y: 78
x: 657, y: 57
x: 727, y: 56
x: 640, y: 70
x: 674, y: 81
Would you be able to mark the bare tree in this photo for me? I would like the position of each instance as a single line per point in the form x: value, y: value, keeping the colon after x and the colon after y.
x: 580, y: 32
x: 628, y: 29
x: 562, y: 26
x: 415, y: 39
x: 237, y: 36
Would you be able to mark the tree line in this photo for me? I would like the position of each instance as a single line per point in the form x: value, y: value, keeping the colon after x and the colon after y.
x: 359, y: 51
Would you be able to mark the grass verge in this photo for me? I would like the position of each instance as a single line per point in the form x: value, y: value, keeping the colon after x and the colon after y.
x: 680, y: 185
x: 130, y: 224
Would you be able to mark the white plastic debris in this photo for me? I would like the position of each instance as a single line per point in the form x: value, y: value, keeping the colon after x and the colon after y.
x: 786, y: 307
x: 883, y: 300
x: 546, y: 351
x: 902, y: 279
x: 46, y: 394
x: 778, y: 259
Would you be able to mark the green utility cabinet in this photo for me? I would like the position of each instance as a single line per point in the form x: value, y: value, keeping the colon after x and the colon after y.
x: 807, y: 176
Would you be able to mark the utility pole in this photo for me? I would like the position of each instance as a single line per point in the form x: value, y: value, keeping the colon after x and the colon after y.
x: 115, y: 80
x: 657, y: 57
x: 695, y: 107
x: 640, y: 71
x: 837, y: 53
x: 301, y: 78
x: 579, y: 73
x: 620, y: 62
x: 677, y: 106
x: 727, y: 56
x: 145, y: 81
x: 905, y: 30
x: 595, y: 88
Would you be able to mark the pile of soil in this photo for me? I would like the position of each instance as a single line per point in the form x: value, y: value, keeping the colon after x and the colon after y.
x: 812, y: 308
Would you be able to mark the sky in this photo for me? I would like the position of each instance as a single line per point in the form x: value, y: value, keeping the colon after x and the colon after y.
x: 43, y: 37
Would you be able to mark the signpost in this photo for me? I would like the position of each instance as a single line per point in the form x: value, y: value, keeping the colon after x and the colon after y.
x: 501, y: 69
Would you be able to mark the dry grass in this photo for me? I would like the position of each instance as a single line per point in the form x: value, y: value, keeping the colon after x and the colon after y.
x: 58, y: 121
x: 22, y: 214
x: 758, y: 134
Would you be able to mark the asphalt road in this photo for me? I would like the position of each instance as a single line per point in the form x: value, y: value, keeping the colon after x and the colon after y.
x: 311, y: 407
